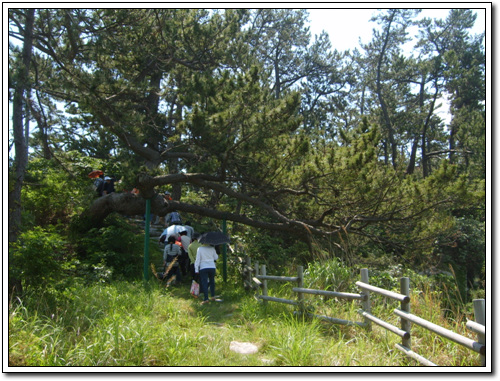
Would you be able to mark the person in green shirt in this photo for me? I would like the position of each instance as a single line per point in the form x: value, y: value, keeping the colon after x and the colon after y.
x: 192, y: 249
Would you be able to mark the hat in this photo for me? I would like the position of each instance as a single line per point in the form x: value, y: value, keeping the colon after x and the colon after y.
x: 107, y: 178
x: 167, y: 192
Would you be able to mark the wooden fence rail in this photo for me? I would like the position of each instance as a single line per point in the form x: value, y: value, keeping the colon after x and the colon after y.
x: 256, y: 278
x: 332, y: 294
x: 443, y: 332
x: 383, y: 292
x: 476, y: 327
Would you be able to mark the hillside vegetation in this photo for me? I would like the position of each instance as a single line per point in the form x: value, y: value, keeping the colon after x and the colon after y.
x: 240, y: 120
x: 130, y: 324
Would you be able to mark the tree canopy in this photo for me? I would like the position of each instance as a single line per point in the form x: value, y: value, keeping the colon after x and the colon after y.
x: 245, y: 117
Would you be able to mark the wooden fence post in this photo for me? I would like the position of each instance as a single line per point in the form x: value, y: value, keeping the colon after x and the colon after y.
x: 264, y: 283
x: 300, y: 284
x: 405, y: 324
x: 479, y: 317
x: 366, y: 302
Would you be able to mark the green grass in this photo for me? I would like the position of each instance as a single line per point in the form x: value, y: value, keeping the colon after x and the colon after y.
x: 128, y: 324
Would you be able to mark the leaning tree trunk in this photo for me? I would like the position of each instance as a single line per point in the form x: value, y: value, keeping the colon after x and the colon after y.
x: 20, y: 138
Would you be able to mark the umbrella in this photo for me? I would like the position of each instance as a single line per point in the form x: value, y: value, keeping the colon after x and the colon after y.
x: 173, y: 230
x: 95, y: 174
x: 214, y: 238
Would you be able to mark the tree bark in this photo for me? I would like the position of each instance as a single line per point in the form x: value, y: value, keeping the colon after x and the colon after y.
x: 383, y: 105
x: 413, y: 157
x: 452, y: 143
x: 130, y: 204
x: 20, y: 138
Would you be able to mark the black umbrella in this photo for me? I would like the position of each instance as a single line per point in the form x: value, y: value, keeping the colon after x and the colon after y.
x: 214, y: 238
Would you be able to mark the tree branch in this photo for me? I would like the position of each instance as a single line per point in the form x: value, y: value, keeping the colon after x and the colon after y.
x: 435, y: 153
x: 129, y: 204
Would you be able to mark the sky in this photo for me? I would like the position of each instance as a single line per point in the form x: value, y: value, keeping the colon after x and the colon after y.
x: 346, y: 26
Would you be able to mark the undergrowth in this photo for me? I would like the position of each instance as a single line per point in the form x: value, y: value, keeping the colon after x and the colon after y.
x: 133, y: 324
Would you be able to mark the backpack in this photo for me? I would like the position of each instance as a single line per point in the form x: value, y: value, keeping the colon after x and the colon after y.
x: 171, y: 257
x: 175, y: 217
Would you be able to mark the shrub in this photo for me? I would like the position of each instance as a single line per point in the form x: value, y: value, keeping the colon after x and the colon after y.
x: 465, y: 251
x: 113, y: 250
x: 50, y: 196
x: 274, y: 250
x: 330, y: 275
x: 37, y: 257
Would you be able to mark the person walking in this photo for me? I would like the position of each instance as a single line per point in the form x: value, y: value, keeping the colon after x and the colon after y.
x: 167, y: 196
x: 184, y: 260
x: 173, y: 218
x: 109, y: 185
x: 189, y: 229
x: 99, y: 185
x: 204, y: 265
x: 171, y: 252
x: 192, y: 249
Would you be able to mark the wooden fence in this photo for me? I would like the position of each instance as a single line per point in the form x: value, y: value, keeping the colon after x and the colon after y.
x: 255, y: 277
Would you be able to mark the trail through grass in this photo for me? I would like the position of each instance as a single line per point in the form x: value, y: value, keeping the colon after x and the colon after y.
x: 127, y: 324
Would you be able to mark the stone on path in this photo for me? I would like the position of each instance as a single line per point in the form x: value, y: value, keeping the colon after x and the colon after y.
x: 243, y: 348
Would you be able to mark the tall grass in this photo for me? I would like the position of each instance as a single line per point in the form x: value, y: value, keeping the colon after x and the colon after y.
x: 128, y: 324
